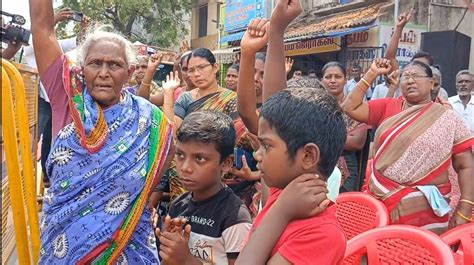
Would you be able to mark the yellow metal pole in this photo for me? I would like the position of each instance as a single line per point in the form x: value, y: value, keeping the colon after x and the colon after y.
x: 27, y: 161
x: 13, y: 164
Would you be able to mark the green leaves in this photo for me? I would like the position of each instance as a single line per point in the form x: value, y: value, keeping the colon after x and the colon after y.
x: 155, y: 22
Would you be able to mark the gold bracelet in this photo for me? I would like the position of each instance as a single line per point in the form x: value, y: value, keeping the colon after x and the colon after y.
x: 466, y: 200
x: 365, y: 81
x: 463, y: 216
x: 143, y: 83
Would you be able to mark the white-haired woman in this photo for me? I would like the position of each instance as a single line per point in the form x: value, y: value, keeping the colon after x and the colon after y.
x: 110, y: 150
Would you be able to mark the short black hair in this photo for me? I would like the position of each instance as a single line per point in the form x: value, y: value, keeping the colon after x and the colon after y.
x: 426, y: 68
x: 334, y: 64
x: 308, y: 115
x: 422, y: 54
x: 234, y: 66
x: 356, y: 66
x: 203, y: 53
x: 261, y: 56
x: 312, y: 71
x: 209, y: 126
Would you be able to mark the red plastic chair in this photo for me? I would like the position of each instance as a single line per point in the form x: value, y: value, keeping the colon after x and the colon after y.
x: 358, y: 212
x: 398, y: 244
x: 464, y: 236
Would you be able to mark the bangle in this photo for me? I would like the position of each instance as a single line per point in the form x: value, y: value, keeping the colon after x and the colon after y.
x: 463, y: 216
x: 467, y: 201
x: 143, y: 83
x: 365, y: 81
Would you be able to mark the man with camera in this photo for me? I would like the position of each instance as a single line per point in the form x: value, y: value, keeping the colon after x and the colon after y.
x: 44, y: 108
x: 13, y: 36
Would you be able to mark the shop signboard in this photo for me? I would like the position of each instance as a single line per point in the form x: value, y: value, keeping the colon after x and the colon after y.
x: 313, y: 46
x: 238, y: 13
x: 409, y: 42
x: 368, y: 38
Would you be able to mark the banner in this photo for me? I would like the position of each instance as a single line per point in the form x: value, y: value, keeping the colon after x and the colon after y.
x: 313, y: 46
x: 238, y: 13
x: 409, y: 44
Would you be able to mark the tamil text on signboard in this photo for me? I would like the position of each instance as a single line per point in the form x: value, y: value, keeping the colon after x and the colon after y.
x: 313, y: 46
x: 238, y: 13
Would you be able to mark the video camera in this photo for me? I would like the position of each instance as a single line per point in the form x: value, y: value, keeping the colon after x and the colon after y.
x: 13, y: 31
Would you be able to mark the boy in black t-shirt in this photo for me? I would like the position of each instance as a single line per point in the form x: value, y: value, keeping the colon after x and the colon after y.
x: 220, y: 221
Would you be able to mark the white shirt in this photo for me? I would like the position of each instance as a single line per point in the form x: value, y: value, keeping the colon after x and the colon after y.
x: 29, y: 55
x: 466, y: 113
x: 351, y: 84
x: 381, y: 90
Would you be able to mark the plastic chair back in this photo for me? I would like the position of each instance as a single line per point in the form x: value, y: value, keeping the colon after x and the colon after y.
x: 398, y: 244
x: 358, y: 212
x: 464, y: 236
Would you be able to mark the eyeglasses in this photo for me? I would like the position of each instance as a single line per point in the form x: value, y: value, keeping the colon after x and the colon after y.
x: 405, y: 78
x: 198, y: 68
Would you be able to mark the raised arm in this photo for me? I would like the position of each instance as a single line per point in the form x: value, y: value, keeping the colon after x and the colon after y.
x: 397, y: 34
x: 275, y: 75
x: 354, y: 105
x: 47, y: 48
x: 255, y: 39
x: 144, y: 88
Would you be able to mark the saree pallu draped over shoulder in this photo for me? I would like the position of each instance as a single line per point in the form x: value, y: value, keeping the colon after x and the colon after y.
x: 414, y: 148
x: 103, y: 167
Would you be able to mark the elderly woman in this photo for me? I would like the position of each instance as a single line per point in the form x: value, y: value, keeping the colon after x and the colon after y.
x: 104, y: 164
x: 416, y: 142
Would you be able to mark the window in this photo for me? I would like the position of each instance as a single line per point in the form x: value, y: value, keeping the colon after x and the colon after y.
x: 202, y: 31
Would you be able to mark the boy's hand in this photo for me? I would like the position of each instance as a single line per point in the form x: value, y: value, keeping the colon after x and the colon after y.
x: 303, y: 197
x: 169, y: 225
x: 285, y: 11
x: 174, y: 247
x: 256, y: 36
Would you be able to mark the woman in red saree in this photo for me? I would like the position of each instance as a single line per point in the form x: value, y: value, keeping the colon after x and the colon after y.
x: 415, y: 143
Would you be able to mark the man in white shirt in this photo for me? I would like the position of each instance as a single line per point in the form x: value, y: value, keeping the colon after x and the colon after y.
x: 356, y: 74
x: 463, y: 102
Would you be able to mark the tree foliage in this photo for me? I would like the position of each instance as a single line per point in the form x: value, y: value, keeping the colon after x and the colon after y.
x: 154, y: 22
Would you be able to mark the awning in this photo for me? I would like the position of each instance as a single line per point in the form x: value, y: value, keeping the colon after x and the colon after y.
x: 332, y: 34
x: 226, y: 56
x: 232, y: 37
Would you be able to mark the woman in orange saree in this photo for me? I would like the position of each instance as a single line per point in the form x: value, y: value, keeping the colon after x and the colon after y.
x: 415, y: 143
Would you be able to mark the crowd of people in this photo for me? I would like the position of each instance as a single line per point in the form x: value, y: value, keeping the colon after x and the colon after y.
x: 191, y: 172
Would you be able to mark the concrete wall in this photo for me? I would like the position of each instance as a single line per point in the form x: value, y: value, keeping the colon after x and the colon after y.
x: 210, y: 41
x: 447, y: 17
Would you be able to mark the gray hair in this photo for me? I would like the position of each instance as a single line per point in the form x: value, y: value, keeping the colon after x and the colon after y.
x: 437, y: 72
x: 105, y: 32
x: 464, y: 72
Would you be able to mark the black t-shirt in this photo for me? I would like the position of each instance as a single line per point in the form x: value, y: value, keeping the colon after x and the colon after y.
x: 219, y: 225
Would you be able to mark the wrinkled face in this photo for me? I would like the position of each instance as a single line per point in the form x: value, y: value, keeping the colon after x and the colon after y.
x: 198, y: 165
x: 464, y: 85
x: 140, y: 70
x: 415, y: 84
x: 231, y: 79
x: 334, y: 80
x: 258, y: 76
x: 106, y: 71
x: 202, y: 72
x: 273, y: 151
